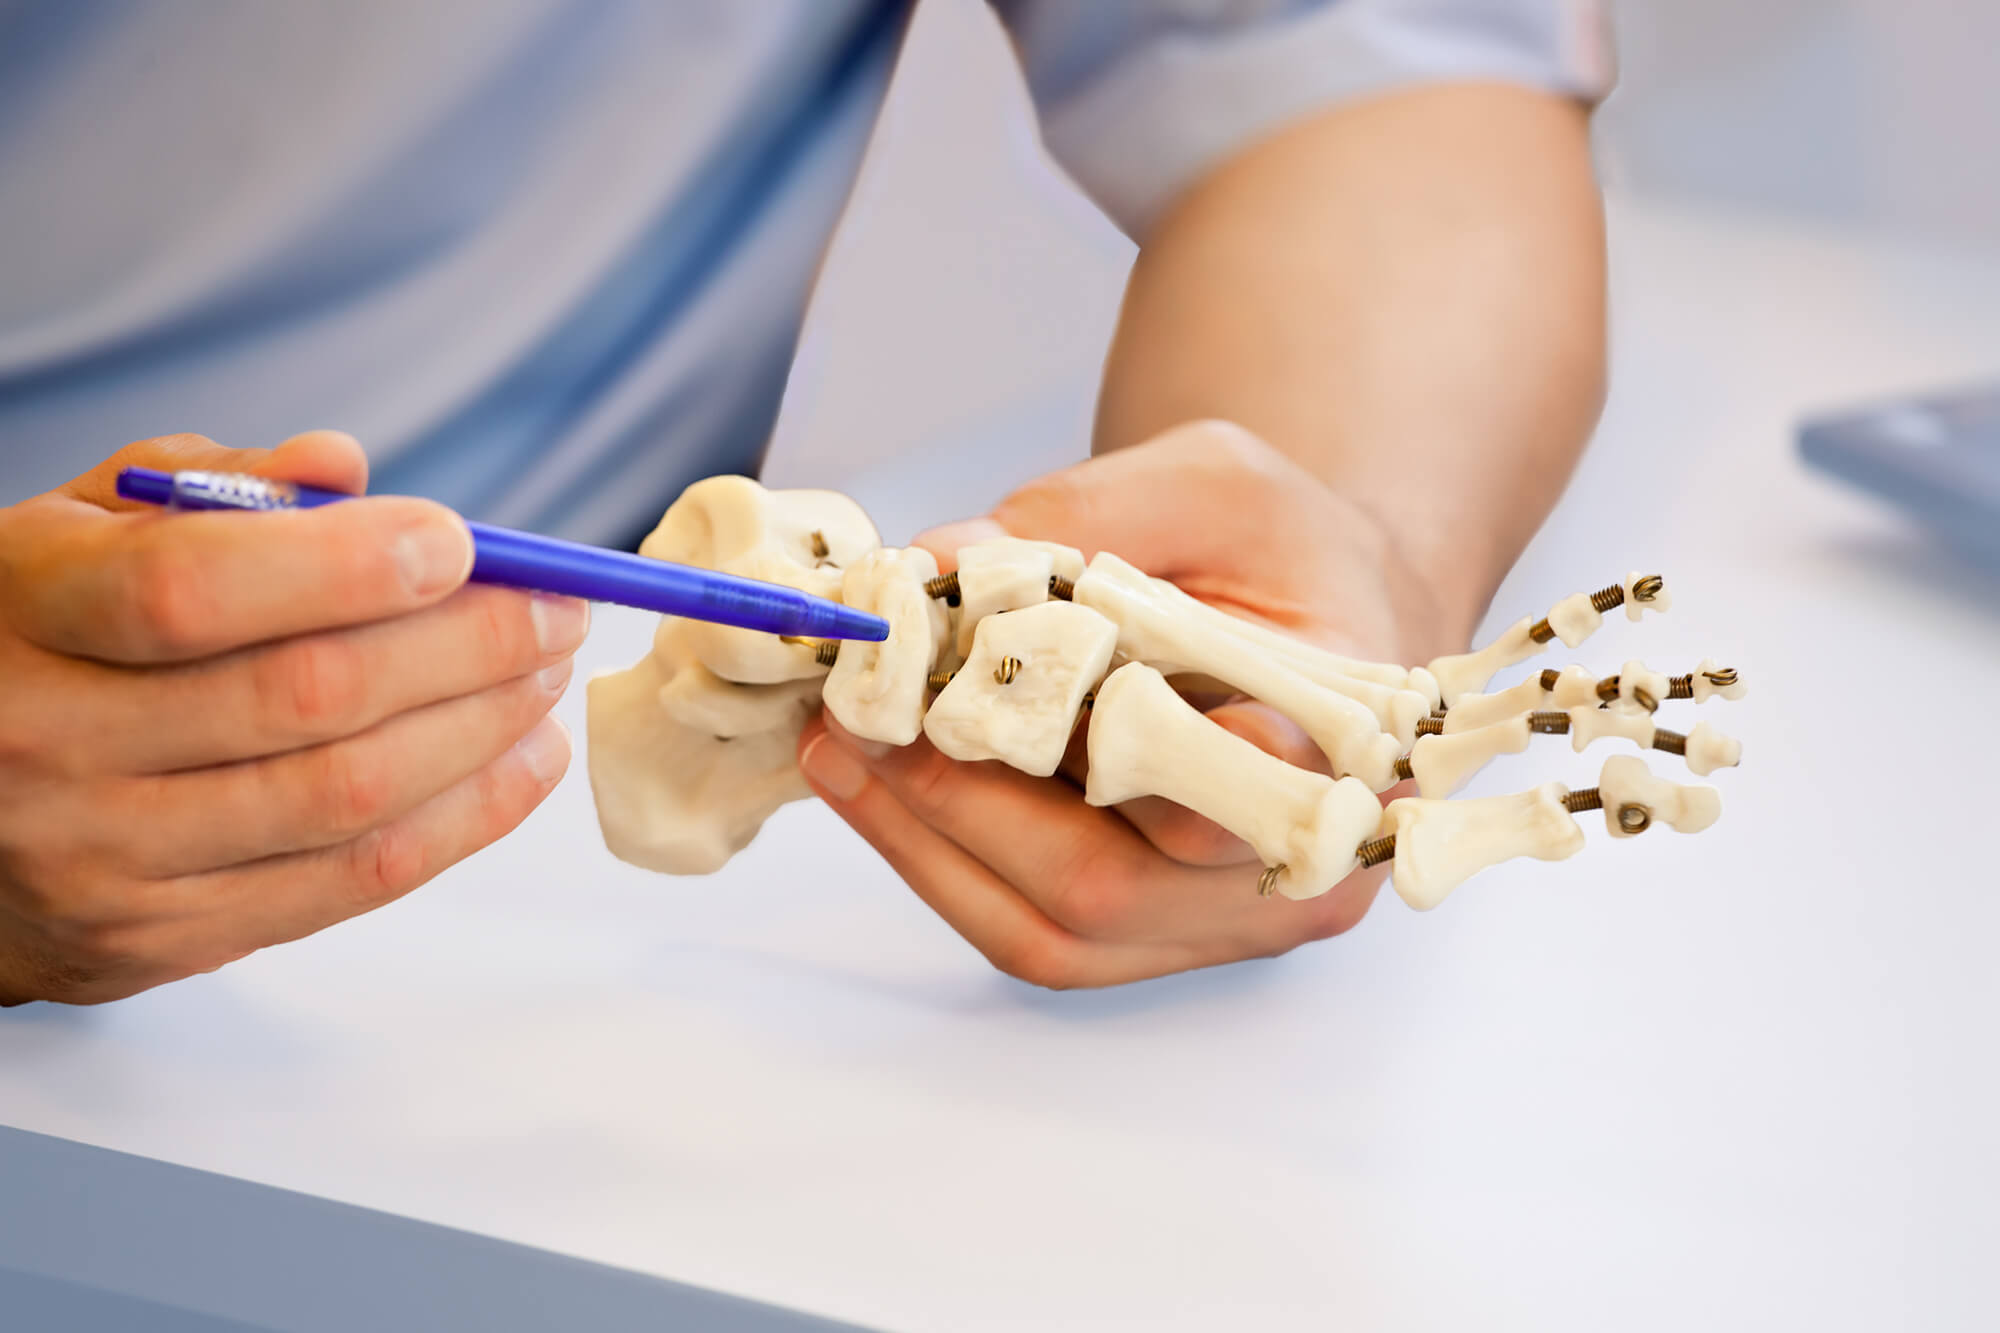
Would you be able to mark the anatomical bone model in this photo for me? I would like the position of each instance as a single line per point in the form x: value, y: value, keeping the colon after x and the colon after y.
x: 692, y: 748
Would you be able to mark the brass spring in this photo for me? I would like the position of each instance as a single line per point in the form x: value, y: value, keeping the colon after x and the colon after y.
x: 1267, y: 883
x: 1682, y: 687
x: 820, y: 549
x: 937, y: 680
x: 1634, y: 818
x: 827, y: 652
x: 1647, y: 588
x: 1609, y: 689
x: 1721, y: 677
x: 945, y: 586
x: 1542, y: 631
x: 1009, y: 668
x: 1061, y: 588
x: 1089, y: 700
x: 1549, y: 724
x: 1670, y: 741
x: 1582, y: 799
x: 1548, y: 678
x: 1430, y: 726
x: 1402, y: 768
x: 1376, y: 850
x: 1644, y: 698
x: 1607, y: 599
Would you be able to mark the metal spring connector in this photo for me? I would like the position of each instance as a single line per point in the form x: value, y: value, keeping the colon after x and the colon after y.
x: 1401, y: 768
x: 1632, y: 817
x: 1061, y: 589
x: 820, y: 549
x: 1603, y: 600
x: 1267, y: 883
x: 1682, y: 687
x: 1009, y: 668
x: 825, y: 651
x: 1583, y: 799
x: 937, y: 680
x: 945, y: 586
x: 1375, y: 851
x: 1430, y: 726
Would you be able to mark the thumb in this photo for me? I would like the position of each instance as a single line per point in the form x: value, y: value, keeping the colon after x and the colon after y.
x: 1174, y: 504
x: 329, y: 459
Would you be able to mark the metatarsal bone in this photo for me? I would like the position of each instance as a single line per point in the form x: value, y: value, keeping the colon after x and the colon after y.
x: 1156, y: 628
x: 1463, y: 673
x: 1441, y: 844
x: 1473, y: 711
x: 1145, y: 740
x: 1443, y: 764
x: 877, y: 690
x: 1626, y: 783
x: 802, y: 539
x: 1022, y: 716
x: 1315, y: 664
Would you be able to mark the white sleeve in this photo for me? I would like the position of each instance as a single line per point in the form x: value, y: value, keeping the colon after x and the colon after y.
x: 1139, y: 97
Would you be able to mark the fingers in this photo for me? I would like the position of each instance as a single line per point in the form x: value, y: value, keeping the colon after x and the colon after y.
x: 1084, y: 868
x: 329, y: 459
x: 305, y: 690
x: 162, y: 587
x: 318, y: 797
x: 993, y: 917
x: 292, y: 896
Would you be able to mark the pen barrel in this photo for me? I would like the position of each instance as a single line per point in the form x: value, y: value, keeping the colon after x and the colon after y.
x: 525, y: 560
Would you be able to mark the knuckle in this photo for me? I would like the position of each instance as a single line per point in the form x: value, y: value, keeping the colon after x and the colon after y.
x: 1037, y: 958
x: 1096, y: 893
x: 354, y: 789
x: 501, y: 631
x: 389, y: 862
x: 168, y: 596
x: 315, y: 687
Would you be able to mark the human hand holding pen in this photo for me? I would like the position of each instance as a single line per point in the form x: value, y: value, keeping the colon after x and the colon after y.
x: 223, y: 731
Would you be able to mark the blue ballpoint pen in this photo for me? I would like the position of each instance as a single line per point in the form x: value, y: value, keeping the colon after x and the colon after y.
x: 548, y: 564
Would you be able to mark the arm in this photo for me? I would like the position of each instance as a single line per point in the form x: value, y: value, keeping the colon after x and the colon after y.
x: 1406, y: 297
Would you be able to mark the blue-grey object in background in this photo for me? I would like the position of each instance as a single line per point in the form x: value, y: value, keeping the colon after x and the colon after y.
x: 1938, y: 458
x: 93, y: 1241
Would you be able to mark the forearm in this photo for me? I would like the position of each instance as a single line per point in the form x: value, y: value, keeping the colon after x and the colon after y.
x: 1405, y: 296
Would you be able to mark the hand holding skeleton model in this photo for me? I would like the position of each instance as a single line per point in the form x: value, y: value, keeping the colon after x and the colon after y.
x: 1059, y: 668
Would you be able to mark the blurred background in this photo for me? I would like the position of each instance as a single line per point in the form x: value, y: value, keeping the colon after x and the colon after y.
x: 1871, y: 115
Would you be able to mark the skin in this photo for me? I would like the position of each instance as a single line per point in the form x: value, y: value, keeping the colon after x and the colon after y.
x: 1400, y: 304
x: 222, y: 731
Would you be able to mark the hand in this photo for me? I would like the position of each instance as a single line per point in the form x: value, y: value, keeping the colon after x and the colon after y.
x: 1062, y: 894
x: 220, y: 731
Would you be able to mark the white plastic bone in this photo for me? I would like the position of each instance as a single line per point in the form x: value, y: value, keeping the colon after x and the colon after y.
x: 1464, y: 673
x: 1708, y: 750
x: 1155, y: 627
x: 1574, y: 619
x: 1315, y: 664
x: 1575, y: 687
x: 1145, y: 740
x: 735, y: 525
x: 1473, y: 711
x: 1588, y: 725
x: 673, y: 797
x: 1635, y: 676
x: 1634, y: 608
x: 697, y: 698
x: 1063, y: 649
x: 1625, y: 780
x: 1443, y: 764
x: 1706, y: 689
x: 1441, y: 844
x: 1004, y: 574
x: 877, y: 690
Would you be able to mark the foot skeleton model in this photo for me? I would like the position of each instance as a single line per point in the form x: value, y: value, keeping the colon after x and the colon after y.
x: 692, y: 748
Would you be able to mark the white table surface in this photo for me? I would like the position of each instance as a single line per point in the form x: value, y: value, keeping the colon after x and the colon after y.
x: 1744, y: 1080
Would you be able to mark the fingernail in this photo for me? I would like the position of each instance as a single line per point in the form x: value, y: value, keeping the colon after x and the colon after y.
x: 545, y: 750
x: 560, y: 622
x: 553, y: 678
x: 433, y: 554
x: 835, y: 767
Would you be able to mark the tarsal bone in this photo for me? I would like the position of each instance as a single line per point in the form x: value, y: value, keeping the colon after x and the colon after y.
x: 734, y: 525
x: 1145, y: 740
x: 877, y: 690
x: 677, y: 798
x: 1157, y: 626
x: 1022, y: 716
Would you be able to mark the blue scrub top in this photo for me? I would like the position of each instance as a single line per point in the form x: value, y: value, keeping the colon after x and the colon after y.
x: 548, y: 259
